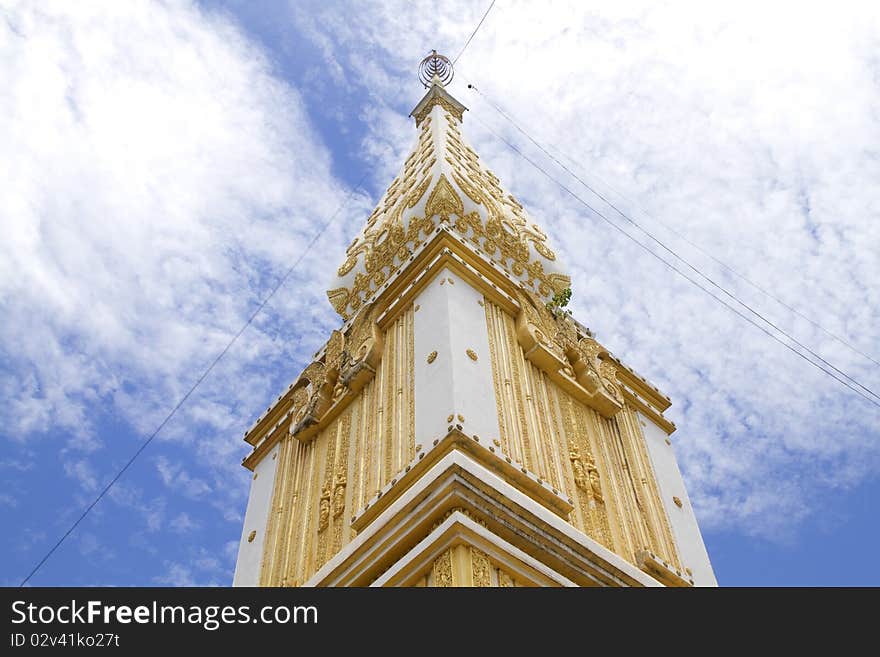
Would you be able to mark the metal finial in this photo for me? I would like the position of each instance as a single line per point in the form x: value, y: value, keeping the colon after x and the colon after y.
x: 435, y: 67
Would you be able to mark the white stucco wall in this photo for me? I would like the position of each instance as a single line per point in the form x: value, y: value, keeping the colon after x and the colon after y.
x: 250, y: 555
x: 450, y: 320
x: 684, y: 523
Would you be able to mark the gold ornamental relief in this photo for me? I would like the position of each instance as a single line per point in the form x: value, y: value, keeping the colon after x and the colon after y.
x: 504, y: 234
x: 324, y: 508
x: 481, y: 568
x: 504, y: 579
x: 339, y: 300
x: 347, y: 266
x: 541, y: 248
x: 442, y: 569
x: 339, y: 492
x: 444, y: 201
x: 333, y: 351
x: 442, y: 102
x: 300, y: 399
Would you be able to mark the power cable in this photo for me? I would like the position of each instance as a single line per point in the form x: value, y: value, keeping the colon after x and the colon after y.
x: 690, y: 242
x: 614, y: 225
x: 675, y: 255
x: 219, y: 357
x: 473, y: 34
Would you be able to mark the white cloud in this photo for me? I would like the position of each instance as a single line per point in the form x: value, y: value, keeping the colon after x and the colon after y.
x: 159, y: 176
x: 177, y: 575
x: 151, y: 510
x: 748, y: 129
x: 203, y: 569
x: 158, y: 179
x: 182, y: 523
x: 83, y: 472
x: 175, y: 477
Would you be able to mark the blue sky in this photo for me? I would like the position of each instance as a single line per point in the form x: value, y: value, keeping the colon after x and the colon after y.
x: 165, y: 162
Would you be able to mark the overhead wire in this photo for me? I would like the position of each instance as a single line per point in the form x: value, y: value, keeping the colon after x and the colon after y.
x: 198, y: 381
x: 222, y: 353
x: 672, y: 229
x: 474, y: 33
x: 871, y: 397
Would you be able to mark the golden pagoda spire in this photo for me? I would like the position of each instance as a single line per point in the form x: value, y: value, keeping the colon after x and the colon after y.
x: 457, y: 430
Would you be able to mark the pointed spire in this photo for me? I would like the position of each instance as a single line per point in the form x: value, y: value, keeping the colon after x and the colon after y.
x: 436, y: 69
x: 437, y: 95
x: 443, y: 184
x: 435, y: 72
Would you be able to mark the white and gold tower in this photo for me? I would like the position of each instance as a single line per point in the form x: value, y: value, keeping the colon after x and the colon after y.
x: 455, y: 431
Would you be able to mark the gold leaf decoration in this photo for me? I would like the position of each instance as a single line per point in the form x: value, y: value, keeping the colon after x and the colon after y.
x: 444, y: 201
x: 441, y: 571
x: 347, y: 266
x: 480, y: 567
x: 339, y: 299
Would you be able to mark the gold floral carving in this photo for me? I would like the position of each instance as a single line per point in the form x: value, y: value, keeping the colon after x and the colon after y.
x: 339, y: 299
x: 324, y: 509
x: 346, y: 266
x: 363, y: 350
x: 383, y: 247
x: 442, y: 102
x: 537, y: 325
x: 500, y: 228
x: 595, y: 485
x: 541, y: 248
x: 471, y: 354
x: 581, y: 478
x: 442, y: 569
x: 432, y: 357
x: 504, y: 579
x: 339, y: 492
x: 480, y: 568
x: 333, y: 353
x: 608, y: 376
x: 494, y: 315
x: 443, y: 201
x: 252, y: 536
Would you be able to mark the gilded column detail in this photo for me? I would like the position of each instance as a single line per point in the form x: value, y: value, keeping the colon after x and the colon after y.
x: 497, y: 372
x: 518, y: 365
x: 504, y: 579
x: 330, y: 437
x: 340, y: 482
x: 410, y: 386
x: 481, y: 568
x: 441, y: 571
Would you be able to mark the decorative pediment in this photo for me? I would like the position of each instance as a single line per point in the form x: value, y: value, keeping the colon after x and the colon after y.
x: 326, y: 386
x: 443, y: 183
x: 577, y: 362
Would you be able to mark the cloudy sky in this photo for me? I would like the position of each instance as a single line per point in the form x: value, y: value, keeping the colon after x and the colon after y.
x: 163, y: 163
